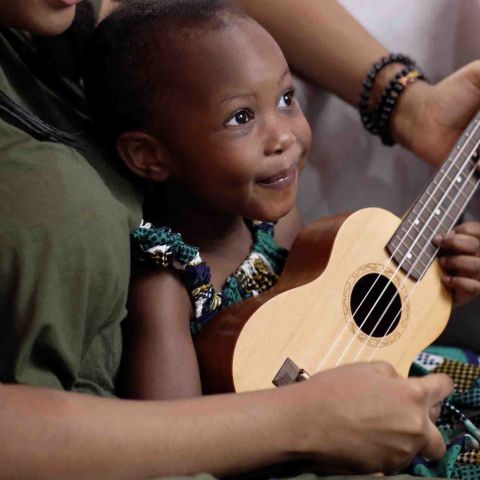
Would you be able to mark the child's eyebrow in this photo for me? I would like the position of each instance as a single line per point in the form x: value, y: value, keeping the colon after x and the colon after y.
x: 239, y: 95
x: 246, y: 95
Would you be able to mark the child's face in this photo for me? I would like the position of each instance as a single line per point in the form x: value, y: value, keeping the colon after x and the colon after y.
x: 237, y: 135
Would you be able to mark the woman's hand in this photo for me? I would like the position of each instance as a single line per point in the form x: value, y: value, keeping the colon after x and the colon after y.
x: 430, y: 118
x: 460, y: 259
x: 365, y: 417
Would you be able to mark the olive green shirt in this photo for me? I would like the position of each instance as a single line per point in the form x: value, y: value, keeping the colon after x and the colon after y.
x: 65, y: 218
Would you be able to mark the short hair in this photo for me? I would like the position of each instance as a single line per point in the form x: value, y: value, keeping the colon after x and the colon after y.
x: 131, y: 54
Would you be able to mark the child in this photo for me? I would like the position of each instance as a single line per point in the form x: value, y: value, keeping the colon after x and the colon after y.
x: 209, y: 113
x: 227, y: 140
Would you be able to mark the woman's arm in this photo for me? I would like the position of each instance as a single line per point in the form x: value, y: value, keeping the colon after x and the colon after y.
x: 322, y: 41
x: 327, y: 45
x: 160, y: 359
x: 55, y: 435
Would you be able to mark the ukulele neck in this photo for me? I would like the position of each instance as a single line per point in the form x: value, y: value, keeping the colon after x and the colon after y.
x: 439, y: 207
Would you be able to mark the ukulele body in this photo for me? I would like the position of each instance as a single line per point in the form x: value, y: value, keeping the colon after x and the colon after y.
x: 341, y: 299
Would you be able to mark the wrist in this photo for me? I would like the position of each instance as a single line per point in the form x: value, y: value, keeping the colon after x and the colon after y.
x: 301, y: 410
x: 382, y: 89
x: 382, y: 81
x: 408, y: 110
x: 289, y: 408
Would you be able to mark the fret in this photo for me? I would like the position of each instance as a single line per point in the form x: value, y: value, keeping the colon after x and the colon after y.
x: 470, y: 162
x: 446, y: 179
x: 430, y: 225
x: 472, y: 183
x: 431, y: 196
x: 426, y: 207
x: 427, y: 226
x: 410, y: 261
x: 448, y: 196
x: 418, y: 262
x: 439, y: 206
x: 413, y: 254
x: 461, y: 193
x: 446, y: 214
x: 413, y: 271
x: 440, y: 211
x: 409, y: 235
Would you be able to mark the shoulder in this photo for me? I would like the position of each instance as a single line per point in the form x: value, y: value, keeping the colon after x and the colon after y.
x: 49, y: 185
x: 54, y: 205
x: 288, y: 228
x: 64, y: 265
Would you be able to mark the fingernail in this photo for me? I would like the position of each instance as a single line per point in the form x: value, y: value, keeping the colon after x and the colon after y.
x: 438, y: 239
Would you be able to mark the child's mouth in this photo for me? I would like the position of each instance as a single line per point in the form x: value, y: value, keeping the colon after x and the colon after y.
x: 281, y: 180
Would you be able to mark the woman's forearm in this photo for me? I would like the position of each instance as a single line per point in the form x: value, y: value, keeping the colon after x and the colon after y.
x: 322, y: 41
x: 51, y: 435
x: 48, y: 434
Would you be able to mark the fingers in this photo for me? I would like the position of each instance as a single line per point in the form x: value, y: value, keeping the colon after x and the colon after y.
x: 459, y: 243
x: 393, y: 415
x: 435, y: 447
x: 460, y: 259
x: 435, y: 412
x: 469, y: 287
x: 436, y: 387
x: 469, y: 228
x: 462, y: 265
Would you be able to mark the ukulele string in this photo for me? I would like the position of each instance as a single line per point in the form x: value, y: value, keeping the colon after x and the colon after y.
x: 416, y: 284
x: 445, y: 174
x: 408, y: 274
x: 435, y: 231
x: 339, y: 336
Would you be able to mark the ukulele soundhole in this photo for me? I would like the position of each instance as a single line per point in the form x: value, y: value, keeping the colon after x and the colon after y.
x: 376, y: 305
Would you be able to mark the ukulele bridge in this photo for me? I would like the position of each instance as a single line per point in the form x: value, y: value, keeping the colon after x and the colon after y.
x: 289, y: 373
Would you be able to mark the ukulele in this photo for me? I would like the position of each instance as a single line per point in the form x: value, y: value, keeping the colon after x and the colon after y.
x: 356, y: 287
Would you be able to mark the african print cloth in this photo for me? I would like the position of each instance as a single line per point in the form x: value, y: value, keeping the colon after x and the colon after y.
x: 258, y: 272
x: 460, y: 413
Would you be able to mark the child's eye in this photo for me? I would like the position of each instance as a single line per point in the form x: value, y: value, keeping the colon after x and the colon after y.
x: 286, y: 99
x: 241, y: 117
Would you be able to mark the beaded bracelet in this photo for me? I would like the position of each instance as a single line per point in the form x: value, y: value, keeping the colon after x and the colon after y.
x: 368, y: 116
x: 377, y: 120
x: 375, y: 124
x: 389, y: 99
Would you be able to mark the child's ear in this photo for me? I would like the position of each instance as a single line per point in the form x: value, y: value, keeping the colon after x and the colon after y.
x: 144, y: 155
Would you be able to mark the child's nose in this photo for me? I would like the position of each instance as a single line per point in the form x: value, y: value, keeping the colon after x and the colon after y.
x: 280, y: 138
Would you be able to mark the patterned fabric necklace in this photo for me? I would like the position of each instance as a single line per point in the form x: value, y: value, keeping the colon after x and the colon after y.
x: 164, y: 248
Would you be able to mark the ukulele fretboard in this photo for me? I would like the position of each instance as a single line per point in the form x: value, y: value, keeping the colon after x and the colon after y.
x: 439, y: 207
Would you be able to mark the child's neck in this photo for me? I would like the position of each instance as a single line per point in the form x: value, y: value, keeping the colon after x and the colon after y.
x: 213, y: 232
x: 224, y: 240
